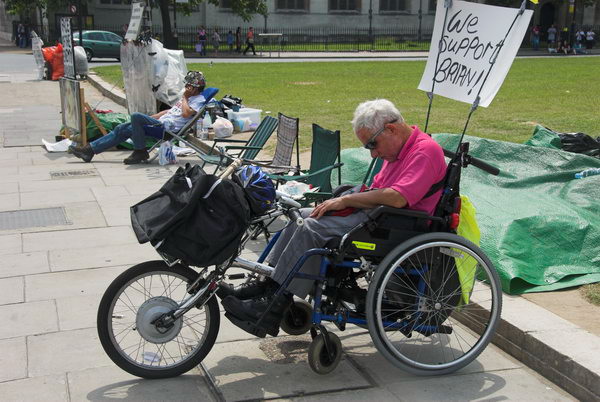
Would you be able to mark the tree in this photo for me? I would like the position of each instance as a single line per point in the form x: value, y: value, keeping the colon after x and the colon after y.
x: 244, y: 8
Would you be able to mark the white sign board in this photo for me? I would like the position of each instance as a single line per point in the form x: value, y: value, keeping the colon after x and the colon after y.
x: 472, y: 38
x: 135, y: 22
x: 67, y: 43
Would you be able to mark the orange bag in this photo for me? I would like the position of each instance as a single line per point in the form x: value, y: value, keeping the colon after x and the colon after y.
x: 48, y: 53
x: 58, y: 64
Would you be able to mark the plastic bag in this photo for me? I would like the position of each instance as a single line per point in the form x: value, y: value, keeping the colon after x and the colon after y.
x: 469, y: 229
x: 166, y: 155
x: 580, y: 143
x: 222, y: 128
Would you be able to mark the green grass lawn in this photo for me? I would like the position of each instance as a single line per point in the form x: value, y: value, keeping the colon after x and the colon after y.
x: 562, y: 93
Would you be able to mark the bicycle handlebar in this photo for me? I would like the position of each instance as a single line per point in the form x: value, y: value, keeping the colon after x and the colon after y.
x: 294, y: 214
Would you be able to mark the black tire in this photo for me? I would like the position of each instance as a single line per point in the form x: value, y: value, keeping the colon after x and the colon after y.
x: 89, y: 54
x: 318, y: 358
x: 167, y: 288
x: 427, y: 316
x: 297, y: 319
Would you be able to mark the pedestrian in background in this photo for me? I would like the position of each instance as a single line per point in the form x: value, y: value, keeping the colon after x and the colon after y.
x: 216, y: 41
x: 590, y: 39
x: 552, y: 37
x: 238, y: 40
x: 230, y: 41
x: 535, y: 37
x: 250, y: 41
x: 21, y: 36
x: 202, y: 40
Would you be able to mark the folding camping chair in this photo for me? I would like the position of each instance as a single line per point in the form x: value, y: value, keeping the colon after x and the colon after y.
x: 325, y: 151
x: 222, y: 156
x: 287, y: 136
x: 162, y: 135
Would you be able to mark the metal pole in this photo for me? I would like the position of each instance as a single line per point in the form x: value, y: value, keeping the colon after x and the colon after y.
x: 371, y: 23
x: 175, y: 40
x: 420, y: 16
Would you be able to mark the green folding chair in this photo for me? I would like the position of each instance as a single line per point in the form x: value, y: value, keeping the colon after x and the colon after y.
x: 222, y: 156
x: 325, y: 151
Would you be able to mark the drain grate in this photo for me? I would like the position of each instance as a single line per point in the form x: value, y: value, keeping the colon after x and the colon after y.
x: 33, y: 218
x: 70, y: 174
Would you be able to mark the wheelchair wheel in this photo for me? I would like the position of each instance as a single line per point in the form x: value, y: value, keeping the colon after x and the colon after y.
x: 321, y: 360
x: 297, y: 319
x: 126, y: 326
x: 433, y: 304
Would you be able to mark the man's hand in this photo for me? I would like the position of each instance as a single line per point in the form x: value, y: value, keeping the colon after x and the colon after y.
x: 334, y: 204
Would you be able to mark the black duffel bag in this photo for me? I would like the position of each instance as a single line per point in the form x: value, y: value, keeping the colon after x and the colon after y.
x: 195, y: 217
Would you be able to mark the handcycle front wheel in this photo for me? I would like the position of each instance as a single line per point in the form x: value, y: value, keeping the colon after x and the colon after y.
x: 130, y: 311
x: 433, y: 304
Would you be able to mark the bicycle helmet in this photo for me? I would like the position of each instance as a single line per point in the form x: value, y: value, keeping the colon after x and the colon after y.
x: 195, y: 79
x: 258, y: 187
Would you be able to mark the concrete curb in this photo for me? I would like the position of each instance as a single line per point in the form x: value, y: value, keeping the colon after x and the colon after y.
x: 557, y: 349
x: 110, y: 91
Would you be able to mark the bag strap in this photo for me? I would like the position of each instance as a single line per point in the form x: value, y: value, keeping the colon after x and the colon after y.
x: 434, y: 188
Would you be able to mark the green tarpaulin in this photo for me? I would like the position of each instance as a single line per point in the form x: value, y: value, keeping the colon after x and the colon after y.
x: 539, y: 225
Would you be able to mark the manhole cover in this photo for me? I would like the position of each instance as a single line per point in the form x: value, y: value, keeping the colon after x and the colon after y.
x: 33, y: 218
x: 70, y: 174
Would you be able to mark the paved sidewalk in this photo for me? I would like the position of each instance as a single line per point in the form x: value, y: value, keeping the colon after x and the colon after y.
x: 52, y: 278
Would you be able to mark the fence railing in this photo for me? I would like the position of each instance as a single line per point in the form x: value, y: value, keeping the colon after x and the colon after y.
x: 309, y: 39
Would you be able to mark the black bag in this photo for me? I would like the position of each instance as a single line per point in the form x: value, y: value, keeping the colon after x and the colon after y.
x: 194, y: 216
x: 580, y: 143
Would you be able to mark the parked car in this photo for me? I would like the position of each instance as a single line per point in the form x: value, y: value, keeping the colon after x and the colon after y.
x: 100, y: 44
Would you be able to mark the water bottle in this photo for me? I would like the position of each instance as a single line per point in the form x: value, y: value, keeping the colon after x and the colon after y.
x: 587, y: 172
x: 201, y: 129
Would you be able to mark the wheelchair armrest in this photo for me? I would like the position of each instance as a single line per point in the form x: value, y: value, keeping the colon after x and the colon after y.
x: 384, y: 209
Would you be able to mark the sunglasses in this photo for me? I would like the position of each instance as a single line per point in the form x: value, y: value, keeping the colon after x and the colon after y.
x: 372, y: 143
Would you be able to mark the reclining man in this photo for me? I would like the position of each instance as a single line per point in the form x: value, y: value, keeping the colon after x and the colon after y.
x: 413, y: 164
x: 172, y: 119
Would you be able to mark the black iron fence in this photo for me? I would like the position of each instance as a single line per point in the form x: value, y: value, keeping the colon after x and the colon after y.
x: 307, y: 39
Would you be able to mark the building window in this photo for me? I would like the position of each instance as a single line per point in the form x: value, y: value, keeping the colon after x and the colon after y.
x: 296, y: 5
x: 344, y: 5
x: 392, y: 5
x: 225, y: 4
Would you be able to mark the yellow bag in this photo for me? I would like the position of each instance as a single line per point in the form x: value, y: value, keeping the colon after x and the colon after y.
x: 466, y: 266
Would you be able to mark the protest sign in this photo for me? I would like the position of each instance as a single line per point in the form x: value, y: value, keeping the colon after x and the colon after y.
x: 473, y: 53
x: 135, y: 22
x: 67, y: 42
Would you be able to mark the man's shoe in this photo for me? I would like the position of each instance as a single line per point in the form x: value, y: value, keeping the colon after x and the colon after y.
x: 138, y: 156
x: 247, y: 290
x: 246, y: 314
x: 86, y: 152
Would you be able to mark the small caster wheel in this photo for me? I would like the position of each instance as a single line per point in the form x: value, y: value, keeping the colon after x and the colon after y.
x: 297, y: 319
x: 319, y: 359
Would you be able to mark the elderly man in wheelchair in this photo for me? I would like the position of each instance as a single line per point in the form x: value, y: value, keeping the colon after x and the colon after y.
x: 385, y: 258
x: 414, y: 163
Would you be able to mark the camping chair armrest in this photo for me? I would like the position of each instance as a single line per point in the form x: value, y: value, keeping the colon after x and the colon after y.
x: 229, y: 140
x: 240, y: 147
x: 306, y: 176
x: 311, y: 196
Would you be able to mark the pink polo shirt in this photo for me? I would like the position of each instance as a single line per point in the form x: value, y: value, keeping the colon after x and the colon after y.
x: 420, y: 165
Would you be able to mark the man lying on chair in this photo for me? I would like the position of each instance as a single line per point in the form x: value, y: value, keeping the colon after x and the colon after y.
x: 413, y: 165
x: 172, y: 119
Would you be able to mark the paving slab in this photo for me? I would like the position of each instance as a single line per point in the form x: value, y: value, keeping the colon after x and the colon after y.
x: 60, y: 352
x: 57, y: 240
x: 54, y: 198
x: 13, y: 360
x: 112, y: 383
x: 77, y: 312
x: 10, y: 244
x: 12, y: 290
x: 28, y: 319
x: 273, y: 368
x: 70, y: 283
x: 44, y: 389
x: 101, y: 256
x: 117, y: 211
x: 24, y: 263
x: 7, y: 188
x: 54, y: 185
x: 9, y: 202
x: 109, y: 193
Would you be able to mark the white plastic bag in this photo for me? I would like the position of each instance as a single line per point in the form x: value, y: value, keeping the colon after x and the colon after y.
x: 166, y: 156
x: 222, y: 128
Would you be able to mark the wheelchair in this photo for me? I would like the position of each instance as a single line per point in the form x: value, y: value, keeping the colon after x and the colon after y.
x: 430, y: 299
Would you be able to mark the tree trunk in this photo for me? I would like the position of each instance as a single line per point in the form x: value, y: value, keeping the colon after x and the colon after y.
x: 168, y: 39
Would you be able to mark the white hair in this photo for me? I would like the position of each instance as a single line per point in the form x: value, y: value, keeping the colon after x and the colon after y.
x: 374, y: 114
